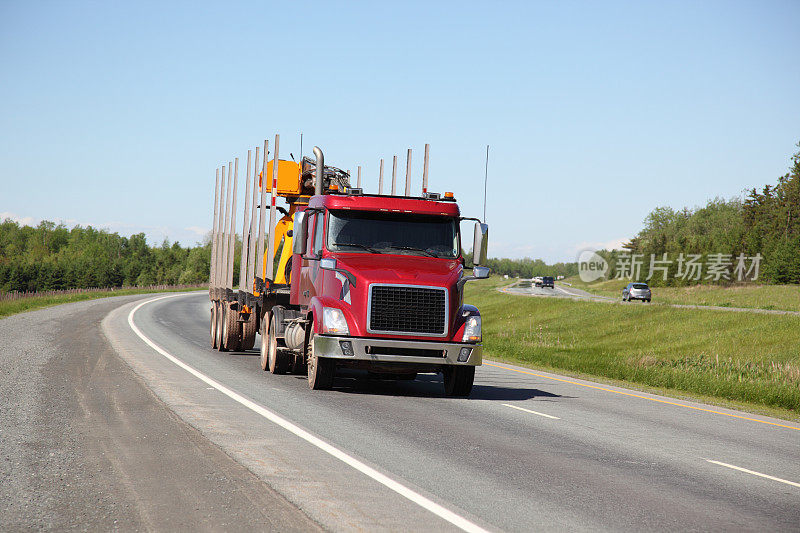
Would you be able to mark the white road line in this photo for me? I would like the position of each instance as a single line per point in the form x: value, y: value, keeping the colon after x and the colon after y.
x: 759, y: 474
x: 565, y: 291
x: 422, y: 501
x: 531, y: 412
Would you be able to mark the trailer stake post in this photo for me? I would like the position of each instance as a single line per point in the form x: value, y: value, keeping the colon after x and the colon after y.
x: 232, y: 243
x: 380, y: 179
x: 408, y: 173
x: 251, y: 253
x: 245, y: 220
x: 274, y: 191
x: 223, y: 250
x: 394, y: 173
x: 261, y: 212
x: 214, y: 233
x: 425, y: 169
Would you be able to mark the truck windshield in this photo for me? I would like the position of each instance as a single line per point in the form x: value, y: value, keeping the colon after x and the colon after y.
x: 399, y: 233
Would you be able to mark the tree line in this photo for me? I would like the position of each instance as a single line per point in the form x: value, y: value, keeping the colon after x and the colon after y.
x: 762, y: 228
x: 526, y: 267
x: 53, y: 257
x: 755, y: 238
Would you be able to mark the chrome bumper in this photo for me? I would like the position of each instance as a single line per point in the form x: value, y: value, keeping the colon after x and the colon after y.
x: 328, y: 346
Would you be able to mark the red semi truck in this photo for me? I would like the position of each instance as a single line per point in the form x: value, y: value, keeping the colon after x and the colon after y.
x: 373, y: 282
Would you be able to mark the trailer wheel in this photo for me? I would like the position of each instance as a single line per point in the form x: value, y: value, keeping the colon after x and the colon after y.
x: 249, y: 329
x: 278, y: 359
x: 320, y: 369
x: 220, y: 327
x: 214, y: 306
x: 458, y: 380
x: 231, y: 329
x: 264, y: 359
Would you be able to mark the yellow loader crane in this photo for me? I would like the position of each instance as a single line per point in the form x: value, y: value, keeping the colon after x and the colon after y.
x: 235, y: 313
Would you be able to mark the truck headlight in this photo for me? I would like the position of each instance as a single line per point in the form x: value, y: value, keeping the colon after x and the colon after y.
x: 333, y: 321
x: 472, y: 329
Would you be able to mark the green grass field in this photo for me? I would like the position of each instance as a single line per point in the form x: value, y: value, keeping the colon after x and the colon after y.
x: 781, y: 297
x: 12, y: 307
x: 736, y: 359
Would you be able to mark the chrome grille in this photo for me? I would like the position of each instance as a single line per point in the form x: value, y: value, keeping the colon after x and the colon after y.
x: 408, y: 309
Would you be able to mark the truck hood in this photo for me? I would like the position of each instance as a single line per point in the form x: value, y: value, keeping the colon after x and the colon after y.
x: 394, y: 268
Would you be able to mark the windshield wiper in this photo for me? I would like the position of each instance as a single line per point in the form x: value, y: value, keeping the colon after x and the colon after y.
x: 362, y: 246
x: 414, y: 249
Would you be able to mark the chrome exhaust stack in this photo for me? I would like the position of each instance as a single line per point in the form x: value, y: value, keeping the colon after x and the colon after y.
x: 320, y: 170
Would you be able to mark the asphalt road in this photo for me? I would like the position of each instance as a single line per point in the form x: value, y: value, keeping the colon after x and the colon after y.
x: 527, y: 451
x: 561, y: 290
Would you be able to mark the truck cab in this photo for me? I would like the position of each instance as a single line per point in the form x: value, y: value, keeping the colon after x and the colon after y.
x: 378, y: 283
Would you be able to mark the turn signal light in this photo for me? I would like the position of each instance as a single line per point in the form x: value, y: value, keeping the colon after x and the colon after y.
x: 333, y: 187
x: 448, y: 195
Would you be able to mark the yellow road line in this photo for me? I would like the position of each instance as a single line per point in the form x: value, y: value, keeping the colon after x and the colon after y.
x: 640, y: 396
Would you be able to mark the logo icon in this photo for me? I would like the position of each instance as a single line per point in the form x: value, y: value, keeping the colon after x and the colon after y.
x: 591, y: 266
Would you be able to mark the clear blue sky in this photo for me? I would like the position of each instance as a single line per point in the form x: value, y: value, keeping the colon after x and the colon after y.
x: 116, y: 114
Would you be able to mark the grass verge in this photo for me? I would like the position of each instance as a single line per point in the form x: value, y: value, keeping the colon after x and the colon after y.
x: 780, y: 297
x: 739, y: 360
x: 37, y: 302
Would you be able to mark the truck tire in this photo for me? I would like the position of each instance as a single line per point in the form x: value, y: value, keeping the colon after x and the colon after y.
x: 264, y: 360
x: 320, y: 369
x: 214, y: 307
x: 231, y: 330
x: 458, y: 380
x: 249, y: 330
x: 277, y: 358
x: 220, y: 326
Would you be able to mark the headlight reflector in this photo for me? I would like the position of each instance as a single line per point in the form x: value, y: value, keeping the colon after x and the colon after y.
x: 333, y: 321
x: 472, y: 329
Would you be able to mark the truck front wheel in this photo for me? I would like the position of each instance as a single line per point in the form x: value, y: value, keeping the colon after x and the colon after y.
x: 458, y: 380
x: 320, y: 369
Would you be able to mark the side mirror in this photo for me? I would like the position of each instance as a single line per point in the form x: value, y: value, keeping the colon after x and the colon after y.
x: 480, y: 272
x: 300, y: 230
x: 480, y: 243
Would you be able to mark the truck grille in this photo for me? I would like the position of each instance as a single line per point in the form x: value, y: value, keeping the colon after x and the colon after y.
x: 408, y: 310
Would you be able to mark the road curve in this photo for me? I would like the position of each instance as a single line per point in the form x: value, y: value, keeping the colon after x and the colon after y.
x: 564, y: 290
x: 527, y: 451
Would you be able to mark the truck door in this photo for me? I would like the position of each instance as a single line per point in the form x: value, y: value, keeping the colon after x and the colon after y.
x: 310, y: 276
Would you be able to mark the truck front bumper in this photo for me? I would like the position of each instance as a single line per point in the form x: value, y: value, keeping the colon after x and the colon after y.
x: 397, y: 351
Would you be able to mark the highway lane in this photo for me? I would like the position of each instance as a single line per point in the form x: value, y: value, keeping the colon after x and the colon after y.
x: 600, y: 458
x: 562, y: 290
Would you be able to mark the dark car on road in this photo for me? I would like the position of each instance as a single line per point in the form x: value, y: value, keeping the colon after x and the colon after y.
x: 547, y: 281
x: 636, y: 291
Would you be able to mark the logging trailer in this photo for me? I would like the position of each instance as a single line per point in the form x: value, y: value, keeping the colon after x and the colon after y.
x: 343, y: 278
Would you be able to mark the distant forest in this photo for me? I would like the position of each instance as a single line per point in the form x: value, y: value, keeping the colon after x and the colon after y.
x: 53, y: 257
x: 766, y: 223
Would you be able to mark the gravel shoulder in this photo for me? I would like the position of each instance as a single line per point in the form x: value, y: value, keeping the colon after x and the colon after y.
x: 86, y: 445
